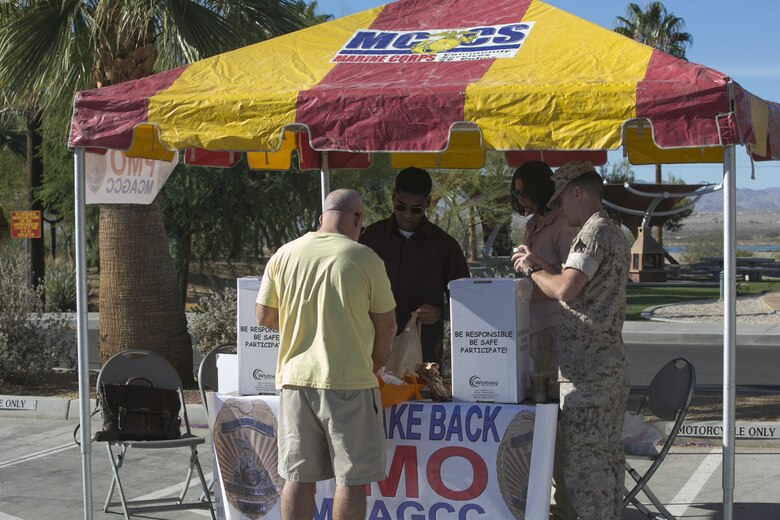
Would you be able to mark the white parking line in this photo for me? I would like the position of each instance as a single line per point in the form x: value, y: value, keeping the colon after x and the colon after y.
x: 176, y: 489
x: 693, y: 487
x: 4, y: 516
x: 37, y: 455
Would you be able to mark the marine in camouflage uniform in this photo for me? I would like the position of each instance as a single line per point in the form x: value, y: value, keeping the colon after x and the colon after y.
x: 594, y: 366
x: 594, y: 369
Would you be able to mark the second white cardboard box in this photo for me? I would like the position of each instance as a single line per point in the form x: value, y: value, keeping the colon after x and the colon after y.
x: 490, y: 339
x: 258, y: 347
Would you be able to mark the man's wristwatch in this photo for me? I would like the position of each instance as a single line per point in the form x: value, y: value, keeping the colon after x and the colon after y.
x: 531, y: 270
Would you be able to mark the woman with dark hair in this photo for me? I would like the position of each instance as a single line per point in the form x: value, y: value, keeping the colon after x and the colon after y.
x: 546, y: 232
x: 531, y: 188
x: 549, y: 236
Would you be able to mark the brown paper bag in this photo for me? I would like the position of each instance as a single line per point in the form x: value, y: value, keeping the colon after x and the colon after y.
x: 407, y: 349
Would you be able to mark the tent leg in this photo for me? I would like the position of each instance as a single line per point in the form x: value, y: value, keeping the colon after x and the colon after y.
x: 729, y: 325
x: 82, y: 329
x: 324, y: 177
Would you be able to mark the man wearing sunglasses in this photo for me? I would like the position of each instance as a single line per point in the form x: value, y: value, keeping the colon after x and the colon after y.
x: 420, y: 258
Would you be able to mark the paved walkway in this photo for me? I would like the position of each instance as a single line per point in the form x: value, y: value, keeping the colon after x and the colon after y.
x: 41, y: 477
x: 772, y: 300
x: 38, y: 449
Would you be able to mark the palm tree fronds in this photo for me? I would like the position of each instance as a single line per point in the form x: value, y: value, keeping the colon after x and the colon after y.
x: 656, y: 27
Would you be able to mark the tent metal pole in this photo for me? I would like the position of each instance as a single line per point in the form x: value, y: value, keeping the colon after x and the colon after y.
x: 324, y: 177
x: 82, y: 329
x: 729, y: 325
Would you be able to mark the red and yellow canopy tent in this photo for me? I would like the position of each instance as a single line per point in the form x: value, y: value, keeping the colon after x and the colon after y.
x: 436, y: 84
x: 535, y: 78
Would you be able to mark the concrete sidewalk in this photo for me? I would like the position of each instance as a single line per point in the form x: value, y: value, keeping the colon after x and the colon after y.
x: 772, y: 300
x: 31, y: 407
x: 661, y: 332
x: 634, y: 332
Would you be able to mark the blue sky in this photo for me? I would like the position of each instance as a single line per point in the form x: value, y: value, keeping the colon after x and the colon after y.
x: 737, y: 38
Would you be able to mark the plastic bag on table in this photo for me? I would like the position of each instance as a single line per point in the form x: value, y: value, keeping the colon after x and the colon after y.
x: 639, y: 438
x: 407, y: 348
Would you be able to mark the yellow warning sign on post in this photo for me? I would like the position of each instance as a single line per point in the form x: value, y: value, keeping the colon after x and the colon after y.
x: 26, y: 224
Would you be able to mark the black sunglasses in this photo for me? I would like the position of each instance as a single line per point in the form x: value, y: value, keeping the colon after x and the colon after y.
x: 520, y: 194
x: 416, y: 210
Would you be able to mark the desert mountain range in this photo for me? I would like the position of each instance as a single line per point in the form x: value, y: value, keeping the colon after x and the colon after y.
x: 747, y: 200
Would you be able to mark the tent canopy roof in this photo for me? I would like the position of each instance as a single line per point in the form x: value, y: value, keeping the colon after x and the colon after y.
x: 452, y: 77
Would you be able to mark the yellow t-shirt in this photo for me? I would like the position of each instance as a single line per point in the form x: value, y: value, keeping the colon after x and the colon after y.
x: 324, y: 285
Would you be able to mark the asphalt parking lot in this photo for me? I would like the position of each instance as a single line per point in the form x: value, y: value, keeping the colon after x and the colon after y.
x: 41, y: 477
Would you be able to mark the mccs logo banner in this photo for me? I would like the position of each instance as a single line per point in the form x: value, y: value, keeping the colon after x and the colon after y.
x: 436, y: 45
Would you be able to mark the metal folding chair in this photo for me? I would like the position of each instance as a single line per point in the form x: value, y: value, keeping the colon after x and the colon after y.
x: 141, y: 363
x: 668, y: 398
x: 208, y: 381
x: 207, y: 371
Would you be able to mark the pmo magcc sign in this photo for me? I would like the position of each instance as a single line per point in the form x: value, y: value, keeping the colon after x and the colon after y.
x: 114, y: 178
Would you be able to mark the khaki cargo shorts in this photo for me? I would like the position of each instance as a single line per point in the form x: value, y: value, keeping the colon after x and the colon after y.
x: 327, y: 434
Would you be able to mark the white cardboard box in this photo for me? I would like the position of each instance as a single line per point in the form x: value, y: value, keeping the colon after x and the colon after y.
x: 227, y: 373
x: 489, y: 339
x: 258, y: 347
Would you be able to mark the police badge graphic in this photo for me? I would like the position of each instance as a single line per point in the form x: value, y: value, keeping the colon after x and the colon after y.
x: 245, y: 441
x: 513, y: 462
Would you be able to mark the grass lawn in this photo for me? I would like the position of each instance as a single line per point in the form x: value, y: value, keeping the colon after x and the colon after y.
x: 640, y: 298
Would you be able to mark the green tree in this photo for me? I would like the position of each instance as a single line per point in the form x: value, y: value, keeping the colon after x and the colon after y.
x: 473, y: 203
x: 12, y: 147
x: 236, y: 213
x: 309, y: 12
x: 657, y: 27
x: 56, y: 195
x: 54, y: 48
x: 26, y: 108
x: 675, y: 222
x: 620, y: 173
x: 467, y: 203
x: 12, y: 139
x: 374, y: 184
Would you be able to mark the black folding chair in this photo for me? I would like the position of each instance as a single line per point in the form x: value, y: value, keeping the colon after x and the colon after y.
x: 141, y: 363
x: 207, y: 371
x: 668, y: 398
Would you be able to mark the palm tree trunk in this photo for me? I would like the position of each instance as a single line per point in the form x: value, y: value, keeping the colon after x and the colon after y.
x: 140, y: 301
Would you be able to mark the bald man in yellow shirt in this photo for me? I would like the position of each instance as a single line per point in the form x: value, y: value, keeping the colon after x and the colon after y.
x: 331, y: 301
